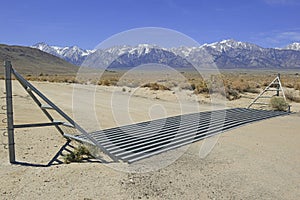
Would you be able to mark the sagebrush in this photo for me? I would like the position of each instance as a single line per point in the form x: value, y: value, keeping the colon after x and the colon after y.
x: 278, y: 103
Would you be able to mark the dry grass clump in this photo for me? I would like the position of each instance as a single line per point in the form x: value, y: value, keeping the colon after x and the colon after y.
x: 243, y: 86
x: 292, y: 96
x: 278, y: 103
x: 155, y: 86
x: 297, y: 86
x: 107, y: 82
x: 78, y: 155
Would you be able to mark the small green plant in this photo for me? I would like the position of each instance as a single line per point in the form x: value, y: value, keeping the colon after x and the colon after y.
x: 278, y: 103
x: 79, y: 154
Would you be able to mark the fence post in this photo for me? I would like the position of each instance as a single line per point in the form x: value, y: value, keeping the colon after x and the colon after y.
x: 9, y: 111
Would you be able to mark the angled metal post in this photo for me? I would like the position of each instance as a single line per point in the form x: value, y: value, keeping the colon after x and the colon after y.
x: 9, y: 111
x: 278, y: 85
x: 30, y: 88
x: 278, y: 89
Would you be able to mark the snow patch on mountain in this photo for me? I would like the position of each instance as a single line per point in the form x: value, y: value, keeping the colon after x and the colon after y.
x: 294, y: 46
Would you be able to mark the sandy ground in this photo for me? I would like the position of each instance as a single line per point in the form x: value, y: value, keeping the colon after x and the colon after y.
x: 257, y: 161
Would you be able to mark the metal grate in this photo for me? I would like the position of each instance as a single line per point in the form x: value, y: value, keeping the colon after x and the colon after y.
x: 138, y: 141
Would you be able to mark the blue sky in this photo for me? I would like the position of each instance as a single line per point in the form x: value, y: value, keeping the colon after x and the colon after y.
x: 268, y: 23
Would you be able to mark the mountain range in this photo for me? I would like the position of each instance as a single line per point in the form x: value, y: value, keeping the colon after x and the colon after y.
x: 226, y: 54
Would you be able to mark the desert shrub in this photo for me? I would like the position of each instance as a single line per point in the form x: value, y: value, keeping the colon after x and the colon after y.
x: 297, y: 86
x: 155, y: 86
x: 265, y: 84
x: 201, y: 88
x: 123, y: 89
x: 292, y: 96
x: 105, y: 82
x: 30, y: 78
x: 78, y: 155
x: 242, y: 86
x: 65, y: 80
x: 232, y: 94
x: 113, y: 82
x: 278, y: 103
x: 239, y: 85
x: 289, y: 85
x: 71, y: 80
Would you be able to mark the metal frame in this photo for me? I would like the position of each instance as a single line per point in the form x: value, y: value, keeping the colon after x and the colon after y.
x: 34, y: 92
x: 276, y: 82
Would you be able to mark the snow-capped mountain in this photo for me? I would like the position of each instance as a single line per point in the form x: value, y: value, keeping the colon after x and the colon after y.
x: 293, y: 46
x: 145, y: 54
x: 235, y: 54
x: 225, y: 54
x: 231, y: 44
x: 129, y: 56
x: 74, y: 54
